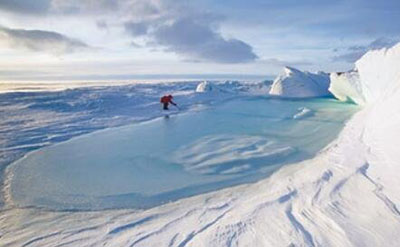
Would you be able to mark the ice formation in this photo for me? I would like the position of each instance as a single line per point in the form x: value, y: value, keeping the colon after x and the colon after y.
x: 204, y: 86
x: 297, y: 84
x: 347, y: 87
x: 379, y: 73
x: 375, y: 77
x: 234, y: 87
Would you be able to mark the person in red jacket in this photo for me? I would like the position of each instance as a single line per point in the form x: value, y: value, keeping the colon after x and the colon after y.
x: 166, y: 100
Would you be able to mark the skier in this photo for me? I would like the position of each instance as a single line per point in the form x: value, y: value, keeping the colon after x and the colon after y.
x: 166, y: 100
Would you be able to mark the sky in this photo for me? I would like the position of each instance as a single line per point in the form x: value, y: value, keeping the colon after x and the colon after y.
x: 128, y: 39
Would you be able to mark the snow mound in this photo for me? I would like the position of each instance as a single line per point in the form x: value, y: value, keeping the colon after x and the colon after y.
x: 294, y: 83
x: 376, y: 76
x: 204, y: 86
x: 225, y: 87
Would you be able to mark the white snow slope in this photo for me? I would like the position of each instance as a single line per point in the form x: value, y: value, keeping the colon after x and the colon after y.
x: 349, y: 195
x: 362, y: 86
x: 294, y: 83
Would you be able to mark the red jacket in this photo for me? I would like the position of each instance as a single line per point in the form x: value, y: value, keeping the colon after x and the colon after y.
x: 166, y: 99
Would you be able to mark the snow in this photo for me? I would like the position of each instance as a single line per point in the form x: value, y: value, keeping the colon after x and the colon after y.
x: 204, y: 86
x: 233, y: 87
x: 347, y: 87
x: 379, y: 73
x: 348, y: 195
x: 294, y: 83
x: 374, y: 77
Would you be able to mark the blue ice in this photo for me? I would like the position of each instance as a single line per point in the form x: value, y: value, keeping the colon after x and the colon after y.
x: 150, y: 163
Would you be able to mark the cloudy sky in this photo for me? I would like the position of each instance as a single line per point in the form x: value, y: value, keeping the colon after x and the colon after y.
x: 123, y: 39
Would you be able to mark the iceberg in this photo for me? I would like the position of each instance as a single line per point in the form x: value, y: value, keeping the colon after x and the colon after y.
x: 294, y: 83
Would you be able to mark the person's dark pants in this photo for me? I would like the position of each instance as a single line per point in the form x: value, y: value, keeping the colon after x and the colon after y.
x: 165, y: 106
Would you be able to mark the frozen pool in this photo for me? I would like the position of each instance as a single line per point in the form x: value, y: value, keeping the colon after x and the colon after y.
x: 150, y: 163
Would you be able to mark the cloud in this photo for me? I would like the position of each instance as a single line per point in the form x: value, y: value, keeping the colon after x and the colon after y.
x: 136, y: 28
x: 195, y: 40
x: 61, y: 6
x: 348, y: 57
x: 26, y: 6
x: 281, y: 63
x: 353, y: 53
x: 84, y: 6
x: 102, y: 24
x: 199, y: 41
x: 376, y: 44
x: 40, y: 41
x: 174, y: 26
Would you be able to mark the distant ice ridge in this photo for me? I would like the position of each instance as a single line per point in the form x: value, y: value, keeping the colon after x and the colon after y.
x: 294, y: 83
x: 261, y: 88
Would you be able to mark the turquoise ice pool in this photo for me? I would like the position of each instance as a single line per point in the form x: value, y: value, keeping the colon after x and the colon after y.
x: 147, y: 164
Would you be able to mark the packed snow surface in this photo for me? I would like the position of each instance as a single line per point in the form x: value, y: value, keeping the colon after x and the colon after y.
x: 298, y: 84
x: 346, y: 196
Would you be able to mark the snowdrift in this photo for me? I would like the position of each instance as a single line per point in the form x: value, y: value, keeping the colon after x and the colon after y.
x: 294, y: 83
